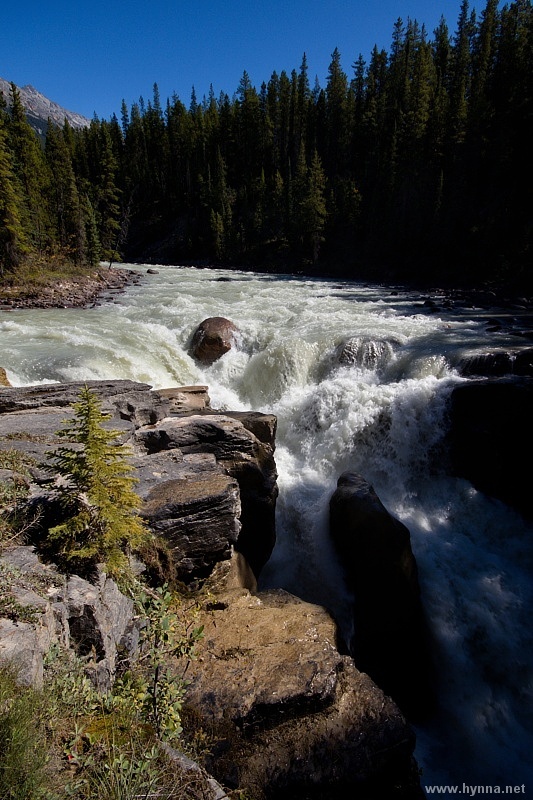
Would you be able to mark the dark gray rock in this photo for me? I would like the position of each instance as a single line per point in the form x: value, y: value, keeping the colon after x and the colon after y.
x: 23, y: 398
x: 198, y: 516
x: 34, y: 432
x: 389, y: 640
x: 263, y: 426
x: 242, y: 455
x: 365, y: 351
x: 140, y: 407
x: 499, y: 364
x: 491, y: 438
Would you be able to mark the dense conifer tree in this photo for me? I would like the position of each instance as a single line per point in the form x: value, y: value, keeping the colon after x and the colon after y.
x: 65, y: 202
x: 96, y: 492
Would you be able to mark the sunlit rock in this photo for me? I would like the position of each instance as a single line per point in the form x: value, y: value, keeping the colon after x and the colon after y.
x: 292, y: 716
x: 186, y: 398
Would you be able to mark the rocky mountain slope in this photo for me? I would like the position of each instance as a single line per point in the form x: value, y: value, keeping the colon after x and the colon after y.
x: 39, y: 109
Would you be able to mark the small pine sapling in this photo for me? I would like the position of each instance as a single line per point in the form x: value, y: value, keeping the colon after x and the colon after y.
x: 95, y: 488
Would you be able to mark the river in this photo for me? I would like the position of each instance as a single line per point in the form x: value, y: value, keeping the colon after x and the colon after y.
x: 384, y: 414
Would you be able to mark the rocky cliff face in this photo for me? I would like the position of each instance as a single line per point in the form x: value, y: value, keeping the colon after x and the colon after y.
x: 71, y: 612
x: 291, y: 716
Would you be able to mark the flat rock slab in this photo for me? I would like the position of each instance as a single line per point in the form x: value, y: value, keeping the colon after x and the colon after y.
x: 61, y: 394
x: 217, y: 434
x: 186, y: 398
x: 248, y: 647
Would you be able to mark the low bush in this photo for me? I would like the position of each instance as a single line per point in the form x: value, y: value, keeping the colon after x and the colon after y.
x: 23, y: 740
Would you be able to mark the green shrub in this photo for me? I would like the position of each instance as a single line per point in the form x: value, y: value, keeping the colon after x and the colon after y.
x: 13, y: 492
x: 156, y: 690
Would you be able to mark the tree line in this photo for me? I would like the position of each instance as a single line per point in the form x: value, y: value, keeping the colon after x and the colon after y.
x: 415, y: 165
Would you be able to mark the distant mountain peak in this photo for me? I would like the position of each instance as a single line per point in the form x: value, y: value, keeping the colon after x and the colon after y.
x: 39, y: 109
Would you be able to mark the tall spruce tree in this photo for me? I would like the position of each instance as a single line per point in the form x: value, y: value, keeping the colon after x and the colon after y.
x: 13, y: 244
x: 64, y: 197
x: 30, y: 167
x: 95, y: 488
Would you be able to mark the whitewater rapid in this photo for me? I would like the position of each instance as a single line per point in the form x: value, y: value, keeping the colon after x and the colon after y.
x: 383, y: 413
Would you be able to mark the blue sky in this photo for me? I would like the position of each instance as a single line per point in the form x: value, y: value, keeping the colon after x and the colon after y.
x: 88, y: 56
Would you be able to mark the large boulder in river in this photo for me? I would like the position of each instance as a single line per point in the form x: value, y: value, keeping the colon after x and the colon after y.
x: 212, y: 338
x: 498, y: 363
x: 389, y: 640
x: 365, y: 352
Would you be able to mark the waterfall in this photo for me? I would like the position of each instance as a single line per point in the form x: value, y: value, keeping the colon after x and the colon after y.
x: 359, y: 378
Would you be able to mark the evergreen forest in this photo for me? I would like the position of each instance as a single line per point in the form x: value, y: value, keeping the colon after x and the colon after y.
x: 413, y: 165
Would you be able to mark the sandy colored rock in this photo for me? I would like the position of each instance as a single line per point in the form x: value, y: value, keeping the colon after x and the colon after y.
x: 290, y: 711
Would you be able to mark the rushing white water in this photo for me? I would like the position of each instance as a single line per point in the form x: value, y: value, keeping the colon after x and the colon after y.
x: 380, y: 409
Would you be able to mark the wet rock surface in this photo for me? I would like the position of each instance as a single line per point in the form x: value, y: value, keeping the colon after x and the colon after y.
x: 389, y: 639
x: 212, y: 338
x: 491, y: 437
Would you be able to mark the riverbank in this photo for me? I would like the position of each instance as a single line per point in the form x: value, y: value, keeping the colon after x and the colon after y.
x: 71, y: 291
x: 76, y: 289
